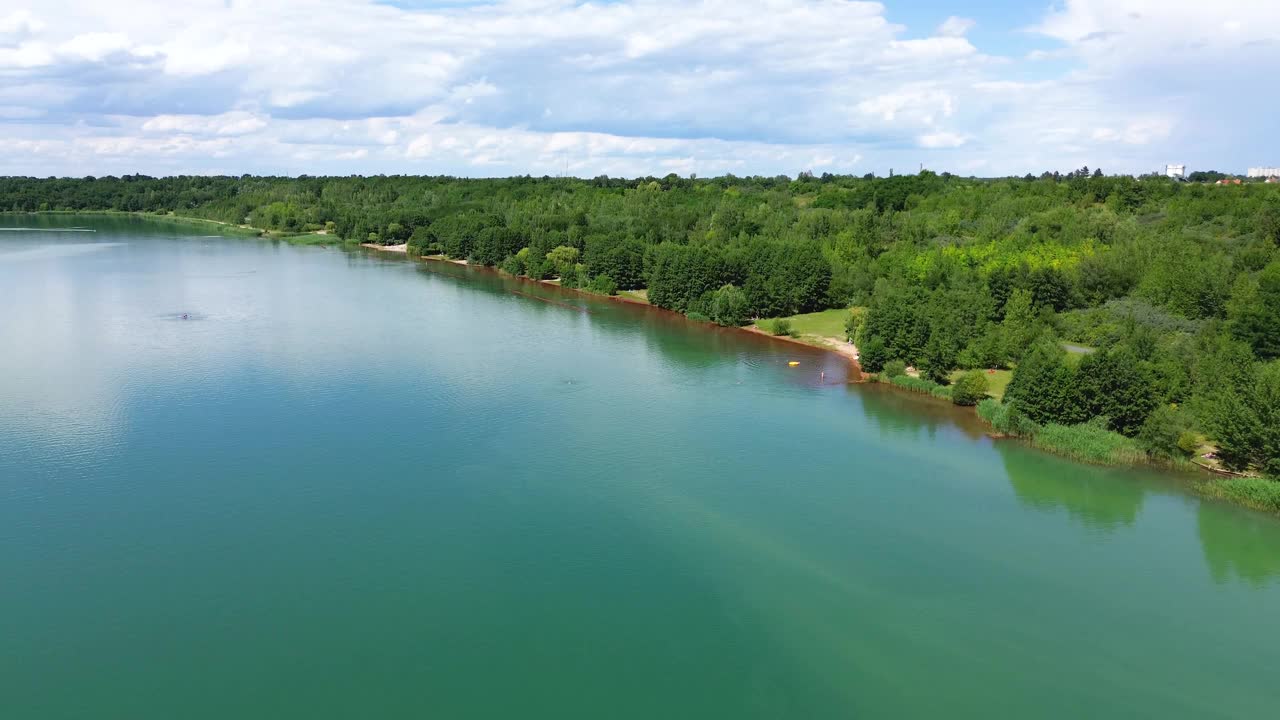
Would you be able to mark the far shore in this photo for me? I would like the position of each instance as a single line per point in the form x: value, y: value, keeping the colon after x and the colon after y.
x: 401, y: 248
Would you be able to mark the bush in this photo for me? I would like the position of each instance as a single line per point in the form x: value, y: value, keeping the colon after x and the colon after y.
x: 696, y: 316
x: 512, y: 266
x: 921, y: 385
x: 781, y: 326
x: 873, y: 355
x: 894, y: 368
x: 1006, y: 418
x: 728, y: 306
x: 970, y: 388
x: 1188, y: 442
x: 603, y: 285
x: 1162, y: 433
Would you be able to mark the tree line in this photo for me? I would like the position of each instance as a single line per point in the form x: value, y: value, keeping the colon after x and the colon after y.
x: 1172, y: 288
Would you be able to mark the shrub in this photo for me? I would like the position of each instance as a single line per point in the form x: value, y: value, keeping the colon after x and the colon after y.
x: 512, y: 266
x: 921, y: 385
x: 1162, y: 433
x: 1006, y: 418
x: 728, y: 306
x: 780, y: 326
x: 696, y: 316
x: 894, y: 368
x: 1188, y: 442
x: 873, y: 355
x: 970, y: 388
x: 604, y: 285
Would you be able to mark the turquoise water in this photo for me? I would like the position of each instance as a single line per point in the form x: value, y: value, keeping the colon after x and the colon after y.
x: 352, y: 485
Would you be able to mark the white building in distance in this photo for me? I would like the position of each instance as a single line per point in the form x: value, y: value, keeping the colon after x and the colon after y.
x: 1176, y: 171
x: 1263, y: 172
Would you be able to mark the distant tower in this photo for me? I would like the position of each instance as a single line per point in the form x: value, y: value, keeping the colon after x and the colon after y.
x: 1178, y: 172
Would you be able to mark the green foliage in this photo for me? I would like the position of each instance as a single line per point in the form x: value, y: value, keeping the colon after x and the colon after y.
x: 780, y: 326
x: 1177, y: 286
x: 894, y: 368
x: 1044, y: 386
x: 563, y: 260
x: 921, y: 385
x: 1254, y: 311
x: 512, y: 266
x: 603, y: 285
x: 1006, y: 418
x: 1166, y: 433
x: 873, y: 354
x: 970, y: 388
x: 1257, y: 493
x: 1244, y: 419
x: 1115, y: 385
x: 1088, y: 442
x: 728, y: 306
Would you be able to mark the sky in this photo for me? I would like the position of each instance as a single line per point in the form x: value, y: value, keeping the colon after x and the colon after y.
x: 635, y: 87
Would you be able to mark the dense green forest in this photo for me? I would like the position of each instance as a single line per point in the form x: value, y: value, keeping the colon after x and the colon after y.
x: 1170, y: 290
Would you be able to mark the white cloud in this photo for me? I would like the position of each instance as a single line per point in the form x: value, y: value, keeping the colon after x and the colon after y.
x: 941, y: 140
x: 955, y: 26
x: 627, y: 87
x: 95, y: 46
x: 231, y: 123
x: 20, y: 23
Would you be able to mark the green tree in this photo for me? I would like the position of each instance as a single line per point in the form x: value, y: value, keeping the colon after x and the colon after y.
x: 872, y: 354
x: 563, y: 259
x: 1254, y: 311
x: 1245, y: 422
x: 1115, y: 385
x: 728, y: 306
x: 1166, y: 433
x: 1043, y: 386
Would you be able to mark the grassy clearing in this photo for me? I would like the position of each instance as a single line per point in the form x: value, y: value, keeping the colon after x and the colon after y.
x: 996, y: 381
x: 827, y: 323
x: 641, y: 295
x: 1257, y: 493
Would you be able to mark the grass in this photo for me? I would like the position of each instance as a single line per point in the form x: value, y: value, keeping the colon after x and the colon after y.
x: 1088, y: 443
x: 1257, y: 493
x: 827, y: 323
x: 641, y: 295
x: 919, y: 385
x: 996, y: 381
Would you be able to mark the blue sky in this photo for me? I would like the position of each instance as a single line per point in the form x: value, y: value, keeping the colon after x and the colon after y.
x: 634, y: 87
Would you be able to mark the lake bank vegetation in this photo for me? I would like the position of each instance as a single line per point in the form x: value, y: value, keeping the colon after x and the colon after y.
x: 1131, y: 318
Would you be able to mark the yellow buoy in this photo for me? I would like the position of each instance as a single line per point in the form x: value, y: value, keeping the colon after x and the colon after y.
x: 794, y: 363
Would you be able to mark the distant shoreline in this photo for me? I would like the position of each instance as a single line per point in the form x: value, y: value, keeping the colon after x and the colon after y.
x: 1208, y: 488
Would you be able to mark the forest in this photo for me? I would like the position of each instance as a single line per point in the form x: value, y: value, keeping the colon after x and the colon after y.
x: 1146, y: 308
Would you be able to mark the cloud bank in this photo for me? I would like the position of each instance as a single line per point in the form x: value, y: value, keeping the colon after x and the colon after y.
x: 627, y: 88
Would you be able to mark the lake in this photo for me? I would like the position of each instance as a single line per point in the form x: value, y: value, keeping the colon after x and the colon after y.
x: 347, y: 484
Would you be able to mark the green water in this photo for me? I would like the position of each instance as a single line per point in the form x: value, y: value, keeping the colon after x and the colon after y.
x: 355, y: 486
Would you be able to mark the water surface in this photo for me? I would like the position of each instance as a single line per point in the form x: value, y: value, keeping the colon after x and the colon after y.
x: 350, y: 485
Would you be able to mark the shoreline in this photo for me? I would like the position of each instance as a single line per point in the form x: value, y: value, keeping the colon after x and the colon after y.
x: 402, y: 248
x: 849, y: 353
x: 1208, y: 487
